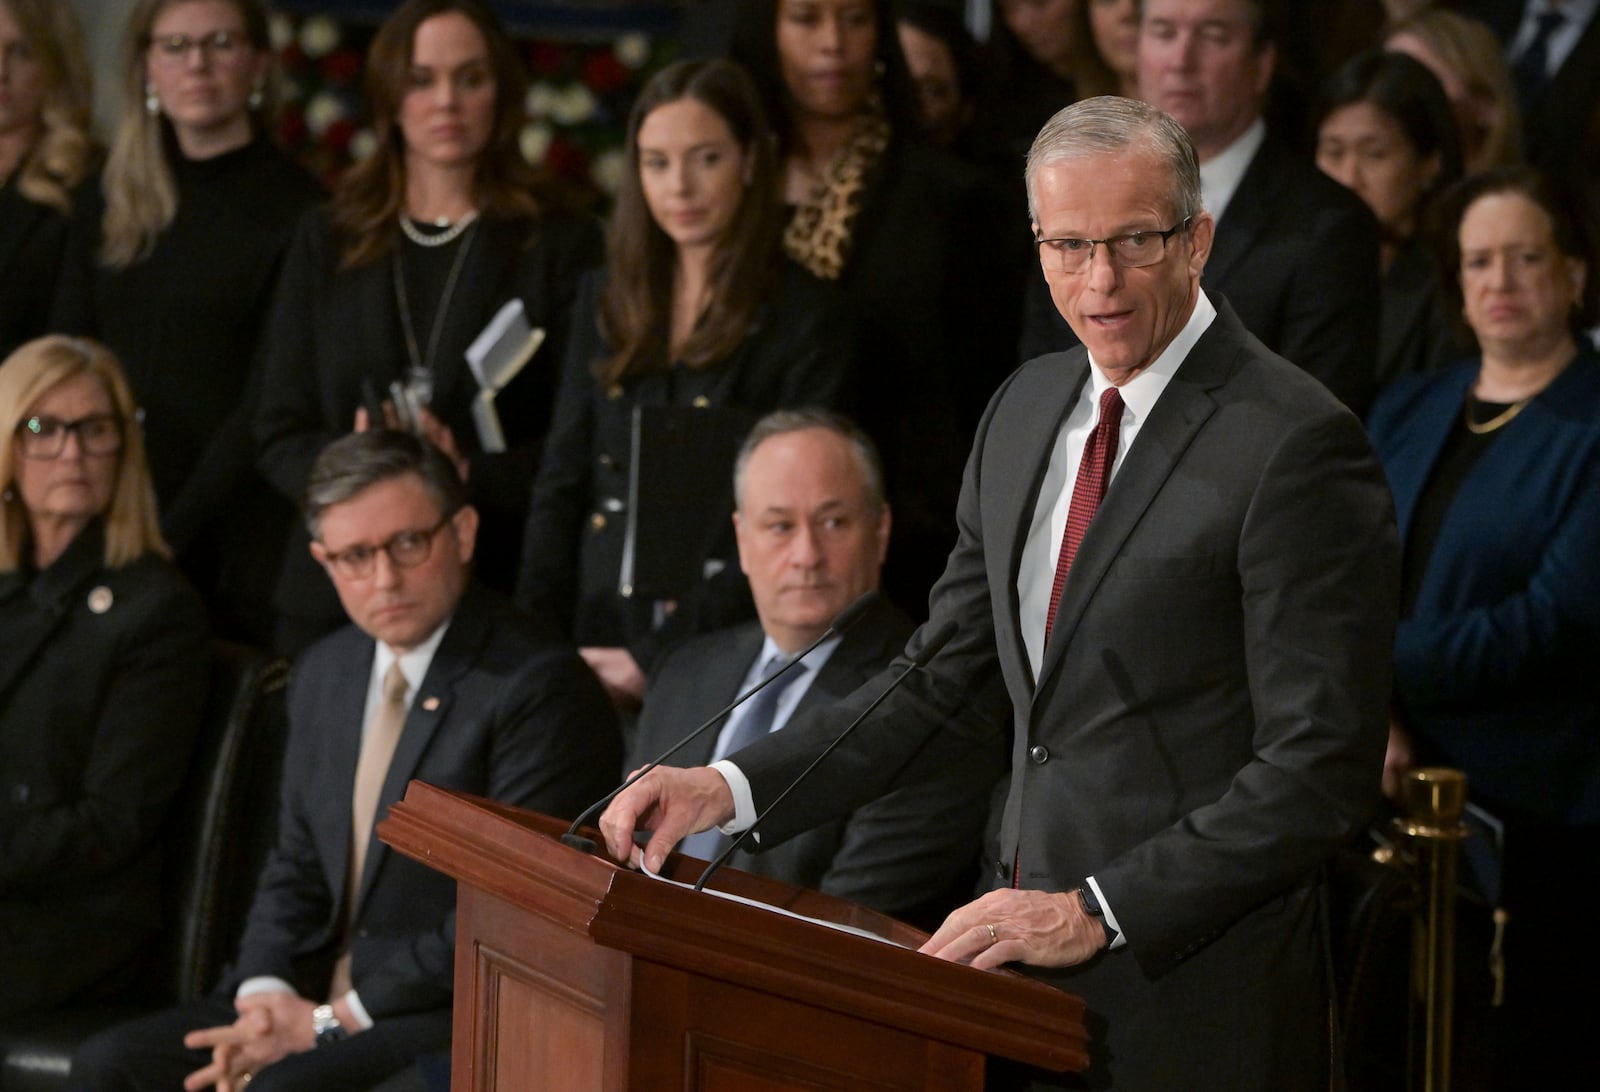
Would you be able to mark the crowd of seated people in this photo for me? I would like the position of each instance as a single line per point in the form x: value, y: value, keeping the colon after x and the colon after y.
x: 827, y: 215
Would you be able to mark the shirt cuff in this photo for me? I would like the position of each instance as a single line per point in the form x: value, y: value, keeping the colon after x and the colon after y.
x: 744, y: 802
x: 264, y: 983
x: 358, y: 1010
x: 1117, y: 939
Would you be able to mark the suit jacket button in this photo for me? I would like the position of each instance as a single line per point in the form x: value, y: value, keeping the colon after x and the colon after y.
x: 1039, y: 753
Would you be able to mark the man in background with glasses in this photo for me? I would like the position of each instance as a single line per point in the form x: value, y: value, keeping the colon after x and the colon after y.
x: 1174, y: 586
x: 345, y: 970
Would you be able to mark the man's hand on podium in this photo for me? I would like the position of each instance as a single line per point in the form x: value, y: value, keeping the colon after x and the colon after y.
x: 669, y: 803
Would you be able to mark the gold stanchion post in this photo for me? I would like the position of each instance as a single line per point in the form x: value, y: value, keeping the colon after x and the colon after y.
x: 1433, y: 830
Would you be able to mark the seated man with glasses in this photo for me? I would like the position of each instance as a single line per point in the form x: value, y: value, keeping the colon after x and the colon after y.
x: 344, y: 972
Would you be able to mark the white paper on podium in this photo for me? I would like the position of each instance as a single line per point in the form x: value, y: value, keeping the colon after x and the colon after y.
x: 495, y: 356
x: 837, y: 927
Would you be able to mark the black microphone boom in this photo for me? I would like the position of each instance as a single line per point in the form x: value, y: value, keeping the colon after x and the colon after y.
x: 930, y: 648
x: 841, y: 624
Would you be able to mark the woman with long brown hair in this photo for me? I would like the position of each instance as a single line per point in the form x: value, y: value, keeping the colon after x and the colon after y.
x: 171, y: 261
x: 426, y: 242
x: 697, y: 308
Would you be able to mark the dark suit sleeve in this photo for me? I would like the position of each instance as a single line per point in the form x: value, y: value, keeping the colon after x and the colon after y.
x: 291, y: 911
x: 144, y: 727
x: 1318, y: 568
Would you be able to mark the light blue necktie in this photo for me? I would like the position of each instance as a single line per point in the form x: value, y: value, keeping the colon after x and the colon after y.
x: 757, y: 724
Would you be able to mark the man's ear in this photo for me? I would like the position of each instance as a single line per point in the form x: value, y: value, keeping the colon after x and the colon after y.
x: 464, y: 525
x: 320, y: 553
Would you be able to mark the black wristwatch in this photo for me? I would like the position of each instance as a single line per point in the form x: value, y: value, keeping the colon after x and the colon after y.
x: 326, y: 1027
x: 1091, y: 906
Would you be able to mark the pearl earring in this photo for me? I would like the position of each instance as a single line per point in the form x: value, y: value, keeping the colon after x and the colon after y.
x: 152, y: 105
x: 257, y: 97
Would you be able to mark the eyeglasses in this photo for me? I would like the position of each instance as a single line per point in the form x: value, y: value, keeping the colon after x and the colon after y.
x: 46, y: 437
x: 222, y: 46
x: 1135, y: 250
x: 406, y: 550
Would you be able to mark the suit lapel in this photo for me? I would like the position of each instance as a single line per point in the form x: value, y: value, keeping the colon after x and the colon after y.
x: 1178, y: 415
x: 1427, y: 432
x: 1046, y: 397
x: 345, y: 704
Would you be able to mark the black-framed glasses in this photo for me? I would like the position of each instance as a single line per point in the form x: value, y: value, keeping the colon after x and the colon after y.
x: 44, y: 437
x: 406, y: 550
x: 219, y: 45
x: 1133, y: 250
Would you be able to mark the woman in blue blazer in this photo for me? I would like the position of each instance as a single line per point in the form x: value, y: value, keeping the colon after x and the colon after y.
x: 1495, y: 467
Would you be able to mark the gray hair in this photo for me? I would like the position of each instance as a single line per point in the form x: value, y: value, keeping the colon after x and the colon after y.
x: 783, y: 421
x: 360, y: 460
x: 1108, y: 124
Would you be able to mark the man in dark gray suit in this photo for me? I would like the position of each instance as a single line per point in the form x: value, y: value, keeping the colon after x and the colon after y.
x: 1295, y: 254
x: 812, y: 528
x: 345, y: 969
x: 1177, y: 564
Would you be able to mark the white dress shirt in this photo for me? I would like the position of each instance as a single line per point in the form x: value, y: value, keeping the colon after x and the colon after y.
x: 1221, y: 174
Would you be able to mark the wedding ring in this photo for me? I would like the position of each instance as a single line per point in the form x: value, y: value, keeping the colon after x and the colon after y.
x: 994, y: 937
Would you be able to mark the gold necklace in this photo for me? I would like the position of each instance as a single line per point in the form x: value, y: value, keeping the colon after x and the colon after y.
x: 1498, y: 421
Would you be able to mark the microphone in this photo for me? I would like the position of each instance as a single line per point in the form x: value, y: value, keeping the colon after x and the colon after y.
x: 930, y: 648
x: 842, y: 623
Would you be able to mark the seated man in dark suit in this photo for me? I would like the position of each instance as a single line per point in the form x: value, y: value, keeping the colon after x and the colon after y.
x: 345, y: 969
x: 812, y: 529
x: 1296, y: 254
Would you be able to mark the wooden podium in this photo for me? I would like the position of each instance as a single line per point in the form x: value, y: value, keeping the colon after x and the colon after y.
x: 574, y: 973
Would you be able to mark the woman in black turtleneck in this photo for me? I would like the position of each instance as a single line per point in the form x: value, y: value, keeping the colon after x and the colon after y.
x: 172, y: 257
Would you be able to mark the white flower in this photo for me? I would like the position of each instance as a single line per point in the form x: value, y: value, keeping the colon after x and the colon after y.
x: 633, y: 50
x: 280, y: 32
x: 541, y: 100
x: 322, y: 111
x: 535, y: 142
x: 363, y: 144
x: 319, y: 36
x: 574, y: 106
x: 608, y: 169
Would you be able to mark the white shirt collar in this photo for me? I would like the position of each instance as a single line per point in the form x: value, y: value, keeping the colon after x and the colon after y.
x: 1140, y: 393
x: 1221, y: 174
x: 413, y: 665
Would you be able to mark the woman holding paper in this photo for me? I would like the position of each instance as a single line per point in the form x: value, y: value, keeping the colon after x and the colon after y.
x: 439, y: 233
x: 698, y: 309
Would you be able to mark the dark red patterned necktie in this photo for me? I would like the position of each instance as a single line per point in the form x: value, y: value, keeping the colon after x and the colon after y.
x: 1094, y: 472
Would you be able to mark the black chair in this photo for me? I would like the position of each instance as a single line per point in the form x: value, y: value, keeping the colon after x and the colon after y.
x: 215, y: 841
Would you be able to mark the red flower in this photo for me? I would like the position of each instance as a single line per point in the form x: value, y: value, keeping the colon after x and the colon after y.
x: 546, y: 59
x: 337, y: 137
x: 341, y: 67
x: 604, y: 74
x: 566, y: 160
x: 291, y: 128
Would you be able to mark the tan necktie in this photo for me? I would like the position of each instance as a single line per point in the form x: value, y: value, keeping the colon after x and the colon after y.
x: 377, y: 751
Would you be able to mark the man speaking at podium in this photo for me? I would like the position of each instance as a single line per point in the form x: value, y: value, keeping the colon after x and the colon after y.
x: 1176, y: 558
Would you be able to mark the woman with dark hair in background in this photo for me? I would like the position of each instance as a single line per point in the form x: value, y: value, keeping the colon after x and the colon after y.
x: 1384, y: 129
x: 101, y: 683
x: 697, y: 307
x: 919, y: 245
x: 1466, y: 57
x: 1495, y: 467
x: 171, y: 262
x: 1031, y: 67
x: 45, y: 151
x: 1108, y: 43
x: 427, y: 241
